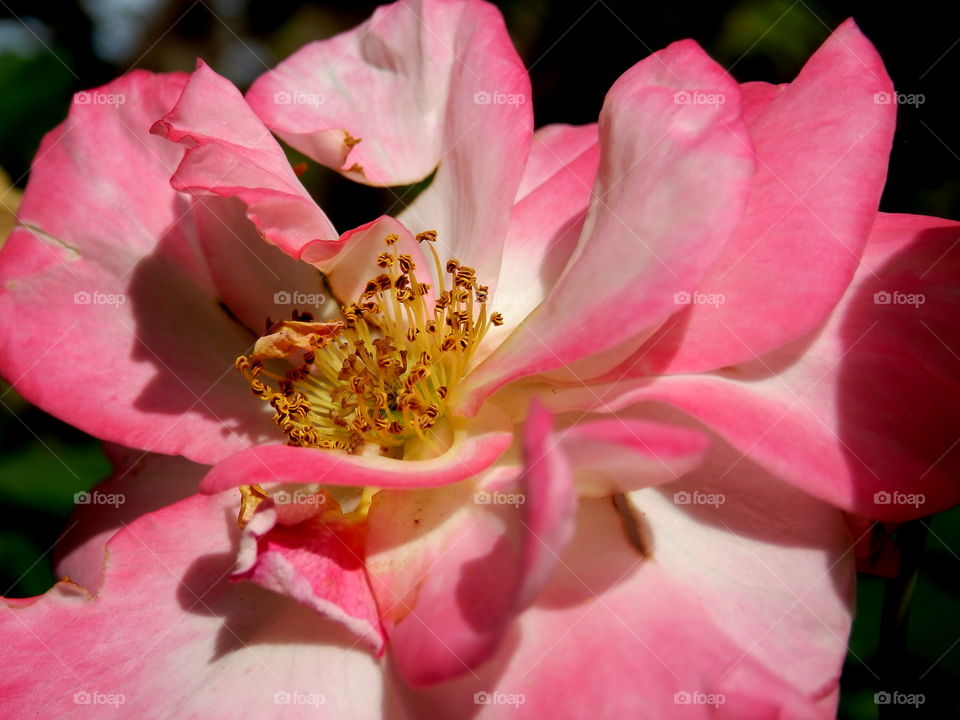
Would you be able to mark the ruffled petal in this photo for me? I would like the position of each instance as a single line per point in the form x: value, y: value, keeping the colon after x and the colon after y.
x: 423, y: 60
x: 735, y: 610
x: 822, y: 145
x: 622, y: 454
x: 861, y: 412
x: 452, y: 567
x: 111, y: 318
x: 467, y: 456
x: 357, y: 263
x: 256, y: 281
x: 673, y: 180
x: 547, y: 220
x: 168, y: 635
x: 317, y: 561
x: 449, y: 90
x: 230, y: 153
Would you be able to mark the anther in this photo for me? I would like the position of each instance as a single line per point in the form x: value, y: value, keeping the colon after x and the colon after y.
x: 374, y: 378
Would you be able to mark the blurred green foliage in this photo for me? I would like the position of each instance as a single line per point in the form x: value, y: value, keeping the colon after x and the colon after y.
x: 36, y: 92
x: 43, y: 462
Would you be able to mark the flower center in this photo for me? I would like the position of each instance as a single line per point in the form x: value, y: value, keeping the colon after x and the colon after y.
x: 384, y: 373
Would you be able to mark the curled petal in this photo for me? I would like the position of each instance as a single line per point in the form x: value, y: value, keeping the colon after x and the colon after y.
x: 451, y: 568
x: 467, y: 456
x: 655, y: 224
x: 166, y: 618
x: 230, y: 153
x: 738, y: 609
x: 822, y: 145
x: 828, y: 412
x: 112, y: 319
x: 422, y: 84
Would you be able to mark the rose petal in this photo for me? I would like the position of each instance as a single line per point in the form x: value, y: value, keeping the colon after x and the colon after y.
x: 232, y: 154
x: 255, y: 280
x: 828, y: 411
x: 747, y: 601
x: 111, y: 319
x: 467, y: 456
x: 822, y: 147
x: 547, y: 220
x: 431, y: 65
x: 140, y: 483
x: 655, y: 224
x: 623, y: 454
x: 318, y: 562
x: 356, y: 264
x: 450, y: 571
x: 168, y: 621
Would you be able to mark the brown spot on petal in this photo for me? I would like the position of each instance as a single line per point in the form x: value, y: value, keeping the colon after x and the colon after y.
x: 250, y: 498
x: 286, y: 337
x: 633, y: 525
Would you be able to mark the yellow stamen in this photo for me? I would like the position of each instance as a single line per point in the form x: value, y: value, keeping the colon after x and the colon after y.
x: 385, y: 373
x: 250, y: 498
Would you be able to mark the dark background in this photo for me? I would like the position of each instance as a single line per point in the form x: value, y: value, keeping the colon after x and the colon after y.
x: 574, y: 50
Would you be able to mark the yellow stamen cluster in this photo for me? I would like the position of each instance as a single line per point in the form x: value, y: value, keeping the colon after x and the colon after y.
x: 384, y: 374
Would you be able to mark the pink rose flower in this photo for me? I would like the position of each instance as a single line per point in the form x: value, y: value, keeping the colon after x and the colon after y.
x: 583, y: 440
